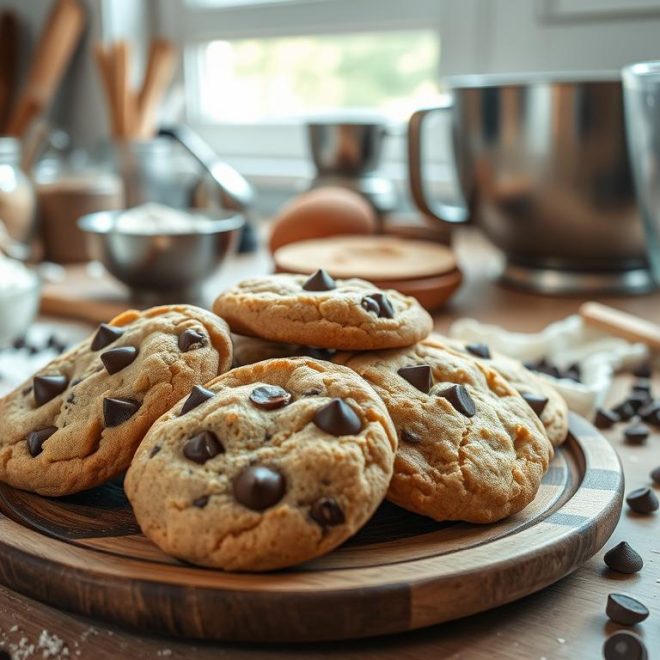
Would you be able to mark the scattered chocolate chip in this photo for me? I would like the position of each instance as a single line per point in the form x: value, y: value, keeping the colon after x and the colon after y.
x: 623, y: 559
x: 118, y: 411
x: 655, y: 475
x: 105, y: 335
x: 478, y: 350
x: 190, y: 340
x: 119, y: 358
x: 650, y: 413
x: 624, y: 411
x: 643, y: 370
x: 154, y: 450
x: 370, y: 305
x: 418, y: 375
x: 203, y: 447
x: 636, y: 434
x: 642, y: 500
x: 326, y: 512
x: 320, y: 281
x: 638, y: 399
x: 338, y: 418
x: 201, y: 502
x: 537, y: 402
x: 385, y: 309
x: 605, y: 419
x: 625, y: 610
x: 198, y: 395
x: 270, y: 397
x: 36, y: 439
x: 258, y: 487
x: 624, y: 645
x: 460, y: 399
x: 318, y: 353
x: 47, y: 388
x: 409, y: 436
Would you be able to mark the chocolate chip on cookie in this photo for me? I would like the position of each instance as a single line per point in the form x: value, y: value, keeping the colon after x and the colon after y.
x: 537, y: 402
x: 190, y: 340
x: 320, y: 281
x: 460, y: 399
x: 36, y: 439
x: 201, y: 502
x: 338, y: 418
x: 119, y: 358
x: 418, y: 375
x: 326, y: 512
x: 259, y: 487
x: 270, y: 397
x: 478, y: 350
x: 118, y: 411
x: 197, y: 397
x: 203, y: 447
x: 385, y: 309
x: 105, y: 335
x: 48, y: 387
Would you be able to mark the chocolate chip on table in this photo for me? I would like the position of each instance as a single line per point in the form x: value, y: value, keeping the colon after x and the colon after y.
x: 190, y: 340
x: 623, y: 559
x: 460, y: 399
x: 636, y: 434
x: 258, y: 487
x: 338, y: 418
x: 537, y: 402
x: 642, y: 500
x: 201, y: 502
x: 418, y: 375
x: 655, y: 475
x: 198, y: 395
x: 119, y: 358
x: 638, y: 399
x: 605, y: 419
x: 36, y: 439
x: 478, y: 349
x: 105, y: 335
x: 47, y: 388
x: 409, y: 436
x: 625, y: 610
x: 326, y: 512
x: 117, y: 411
x: 320, y: 281
x: 650, y: 413
x: 643, y: 370
x: 624, y: 410
x: 624, y: 645
x: 203, y: 447
x: 270, y: 397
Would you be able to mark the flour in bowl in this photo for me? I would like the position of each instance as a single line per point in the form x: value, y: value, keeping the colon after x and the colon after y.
x: 158, y: 219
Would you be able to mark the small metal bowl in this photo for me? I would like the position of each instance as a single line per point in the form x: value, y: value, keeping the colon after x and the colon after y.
x: 166, y: 266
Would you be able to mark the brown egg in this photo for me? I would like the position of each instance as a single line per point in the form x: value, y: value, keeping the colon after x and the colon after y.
x: 328, y: 211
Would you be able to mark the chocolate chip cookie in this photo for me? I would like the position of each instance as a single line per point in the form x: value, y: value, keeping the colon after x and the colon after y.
x: 266, y: 466
x: 470, y: 447
x: 321, y: 312
x: 78, y: 422
x: 542, y: 397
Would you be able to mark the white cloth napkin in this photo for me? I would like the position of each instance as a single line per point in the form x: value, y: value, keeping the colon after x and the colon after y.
x: 599, y: 354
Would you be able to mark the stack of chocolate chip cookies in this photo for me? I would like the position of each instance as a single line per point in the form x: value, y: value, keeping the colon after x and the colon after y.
x: 338, y: 398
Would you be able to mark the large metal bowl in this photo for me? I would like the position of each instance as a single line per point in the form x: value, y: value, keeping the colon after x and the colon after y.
x: 168, y: 265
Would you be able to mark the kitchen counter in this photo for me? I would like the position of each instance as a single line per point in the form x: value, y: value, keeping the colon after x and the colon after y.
x: 565, y: 620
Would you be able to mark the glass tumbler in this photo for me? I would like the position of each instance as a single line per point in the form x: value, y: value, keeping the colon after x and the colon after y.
x: 641, y: 83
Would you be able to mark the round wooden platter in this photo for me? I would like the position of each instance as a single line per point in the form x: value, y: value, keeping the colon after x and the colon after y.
x: 85, y: 554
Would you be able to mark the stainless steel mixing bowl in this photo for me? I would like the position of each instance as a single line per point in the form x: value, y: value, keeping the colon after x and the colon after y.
x: 543, y: 165
x: 171, y: 266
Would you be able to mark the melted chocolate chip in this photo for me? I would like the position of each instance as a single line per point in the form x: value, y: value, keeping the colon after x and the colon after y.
x: 370, y: 305
x: 326, y: 512
x: 478, y: 350
x: 105, y: 335
x: 460, y: 399
x: 623, y: 559
x: 36, y: 439
x: 642, y: 500
x: 270, y: 397
x: 409, y: 436
x: 418, y: 376
x: 625, y: 610
x: 190, y: 340
x: 47, y: 388
x: 320, y: 281
x: 258, y: 487
x: 605, y: 419
x: 203, y: 447
x: 118, y: 411
x: 624, y: 645
x: 201, y: 502
x: 537, y: 402
x: 154, y: 450
x: 198, y: 395
x: 385, y: 309
x: 117, y: 359
x: 338, y: 418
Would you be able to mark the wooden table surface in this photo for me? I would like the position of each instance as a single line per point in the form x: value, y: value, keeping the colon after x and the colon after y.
x: 566, y: 620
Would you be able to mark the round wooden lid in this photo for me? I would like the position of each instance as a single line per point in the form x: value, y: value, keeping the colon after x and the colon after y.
x: 372, y: 258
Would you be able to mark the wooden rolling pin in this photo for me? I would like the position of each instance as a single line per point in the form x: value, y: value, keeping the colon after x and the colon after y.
x: 621, y: 324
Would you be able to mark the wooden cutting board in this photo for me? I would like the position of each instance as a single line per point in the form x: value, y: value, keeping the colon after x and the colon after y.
x: 85, y: 553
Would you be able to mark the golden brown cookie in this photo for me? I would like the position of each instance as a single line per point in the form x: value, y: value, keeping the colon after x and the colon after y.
x: 248, y: 350
x: 267, y: 466
x: 78, y: 422
x: 321, y: 312
x: 470, y: 447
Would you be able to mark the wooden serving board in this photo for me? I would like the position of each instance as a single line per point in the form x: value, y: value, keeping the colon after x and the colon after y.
x: 85, y: 553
